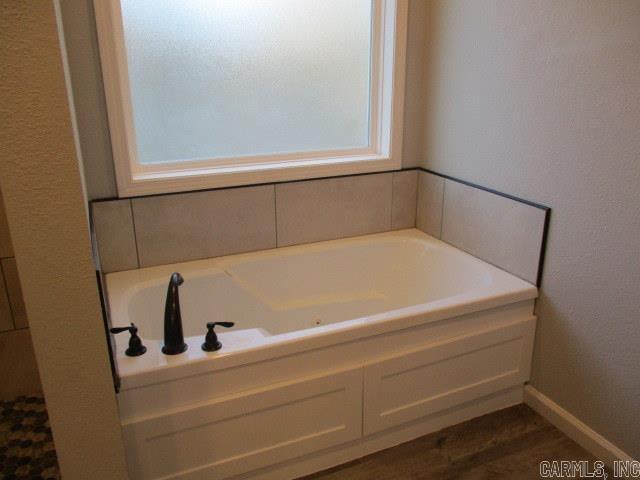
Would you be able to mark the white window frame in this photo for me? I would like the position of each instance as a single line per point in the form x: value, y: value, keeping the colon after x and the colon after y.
x: 386, y: 120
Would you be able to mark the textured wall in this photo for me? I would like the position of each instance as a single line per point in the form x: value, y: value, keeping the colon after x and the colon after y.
x: 542, y: 100
x: 42, y: 191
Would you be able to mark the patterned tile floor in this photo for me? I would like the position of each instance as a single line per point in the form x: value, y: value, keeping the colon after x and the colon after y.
x: 26, y: 445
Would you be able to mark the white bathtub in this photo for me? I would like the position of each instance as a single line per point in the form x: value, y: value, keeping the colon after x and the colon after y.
x: 328, y: 325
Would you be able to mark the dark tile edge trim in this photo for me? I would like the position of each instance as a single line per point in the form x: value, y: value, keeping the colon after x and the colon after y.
x: 546, y: 209
x: 487, y: 189
x: 543, y: 245
x: 111, y: 199
x: 547, y: 214
x: 106, y: 321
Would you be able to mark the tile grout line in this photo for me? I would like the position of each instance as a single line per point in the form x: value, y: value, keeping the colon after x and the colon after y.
x: 17, y: 329
x: 393, y: 188
x: 444, y: 186
x: 135, y: 234
x: 275, y: 211
x: 415, y: 216
x: 6, y: 290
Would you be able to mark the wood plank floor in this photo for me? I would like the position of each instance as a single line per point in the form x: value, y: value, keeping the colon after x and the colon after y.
x: 508, y: 444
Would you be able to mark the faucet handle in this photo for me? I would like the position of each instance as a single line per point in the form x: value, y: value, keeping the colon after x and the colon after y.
x: 211, y: 342
x: 211, y: 325
x: 136, y: 348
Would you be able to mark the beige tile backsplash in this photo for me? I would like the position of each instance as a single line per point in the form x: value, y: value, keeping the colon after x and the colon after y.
x: 187, y: 226
x: 404, y: 196
x: 12, y: 311
x: 6, y: 249
x: 499, y: 230
x: 190, y: 226
x: 6, y: 318
x: 14, y: 291
x: 429, y: 207
x: 18, y: 369
x: 317, y: 210
x: 113, y: 225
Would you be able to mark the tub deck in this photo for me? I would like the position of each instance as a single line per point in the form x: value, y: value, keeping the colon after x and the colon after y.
x: 290, y: 294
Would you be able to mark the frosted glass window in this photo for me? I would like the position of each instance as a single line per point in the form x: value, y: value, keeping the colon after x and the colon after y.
x: 227, y: 78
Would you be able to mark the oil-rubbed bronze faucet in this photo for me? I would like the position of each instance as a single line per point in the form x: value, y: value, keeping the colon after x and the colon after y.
x: 173, y: 337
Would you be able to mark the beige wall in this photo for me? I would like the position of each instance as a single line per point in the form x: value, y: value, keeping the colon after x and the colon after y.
x: 88, y: 95
x: 415, y: 92
x: 542, y: 100
x: 42, y: 190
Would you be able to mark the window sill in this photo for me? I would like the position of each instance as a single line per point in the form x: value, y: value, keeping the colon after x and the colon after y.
x: 166, y: 181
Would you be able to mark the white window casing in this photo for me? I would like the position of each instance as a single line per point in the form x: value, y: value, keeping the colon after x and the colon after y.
x: 388, y: 43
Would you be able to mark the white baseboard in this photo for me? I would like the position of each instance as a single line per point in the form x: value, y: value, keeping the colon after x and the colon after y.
x: 580, y: 433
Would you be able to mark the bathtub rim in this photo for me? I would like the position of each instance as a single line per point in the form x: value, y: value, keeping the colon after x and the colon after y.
x: 155, y: 368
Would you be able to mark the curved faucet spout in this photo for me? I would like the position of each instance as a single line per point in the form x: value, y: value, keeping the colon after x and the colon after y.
x: 173, y: 336
x: 176, y: 279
